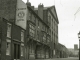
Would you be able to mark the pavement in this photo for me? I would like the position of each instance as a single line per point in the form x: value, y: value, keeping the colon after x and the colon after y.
x: 70, y: 58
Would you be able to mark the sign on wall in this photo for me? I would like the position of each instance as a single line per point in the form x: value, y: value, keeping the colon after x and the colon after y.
x: 21, y: 14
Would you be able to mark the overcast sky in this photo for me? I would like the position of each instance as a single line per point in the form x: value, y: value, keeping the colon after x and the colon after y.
x: 68, y: 12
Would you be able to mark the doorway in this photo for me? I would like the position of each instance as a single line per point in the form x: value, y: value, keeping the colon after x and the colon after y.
x: 16, y: 51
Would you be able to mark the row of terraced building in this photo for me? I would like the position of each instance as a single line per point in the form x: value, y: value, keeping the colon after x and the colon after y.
x: 27, y: 32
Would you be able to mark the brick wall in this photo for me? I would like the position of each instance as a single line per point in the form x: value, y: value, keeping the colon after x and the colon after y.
x: 8, y: 9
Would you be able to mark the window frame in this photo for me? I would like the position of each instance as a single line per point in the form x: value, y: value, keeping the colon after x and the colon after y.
x: 9, y: 42
x: 9, y: 27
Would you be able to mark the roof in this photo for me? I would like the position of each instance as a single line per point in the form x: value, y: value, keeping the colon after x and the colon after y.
x: 49, y: 8
x: 37, y: 15
x: 43, y: 8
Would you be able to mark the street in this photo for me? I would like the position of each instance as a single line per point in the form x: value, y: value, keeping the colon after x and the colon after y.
x: 71, y: 58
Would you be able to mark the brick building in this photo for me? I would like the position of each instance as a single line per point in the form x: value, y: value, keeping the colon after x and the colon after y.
x: 12, y: 40
x: 8, y: 9
x: 49, y: 16
x: 62, y: 51
x: 30, y: 33
x: 38, y: 36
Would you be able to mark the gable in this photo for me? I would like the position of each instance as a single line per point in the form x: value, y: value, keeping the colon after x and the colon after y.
x: 53, y: 10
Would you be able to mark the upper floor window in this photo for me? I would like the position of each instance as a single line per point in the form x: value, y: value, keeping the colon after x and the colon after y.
x: 8, y: 30
x: 44, y: 37
x: 30, y: 15
x: 38, y: 23
x: 43, y: 28
x: 22, y: 35
x: 38, y: 35
x: 49, y: 19
x: 34, y: 19
x: 48, y: 39
x: 52, y: 23
x: 49, y: 31
x: 46, y: 29
x: 31, y: 30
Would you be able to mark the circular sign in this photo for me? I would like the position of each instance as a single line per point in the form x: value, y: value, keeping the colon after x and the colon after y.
x: 21, y: 14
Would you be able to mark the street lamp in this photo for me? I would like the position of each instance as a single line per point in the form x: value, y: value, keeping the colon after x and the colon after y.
x: 79, y: 44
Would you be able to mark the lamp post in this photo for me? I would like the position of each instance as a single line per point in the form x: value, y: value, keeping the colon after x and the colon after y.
x: 79, y: 44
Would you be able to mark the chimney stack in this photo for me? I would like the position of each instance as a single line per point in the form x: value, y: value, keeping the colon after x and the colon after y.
x: 40, y: 10
x: 28, y: 3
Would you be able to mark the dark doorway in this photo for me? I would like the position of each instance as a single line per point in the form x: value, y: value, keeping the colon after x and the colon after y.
x: 16, y: 51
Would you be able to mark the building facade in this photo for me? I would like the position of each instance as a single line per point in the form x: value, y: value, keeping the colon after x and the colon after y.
x: 38, y: 36
x: 62, y: 51
x: 49, y: 16
x: 12, y: 41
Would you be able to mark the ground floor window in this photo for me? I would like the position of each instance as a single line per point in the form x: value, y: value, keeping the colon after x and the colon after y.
x: 54, y: 52
x: 8, y: 46
x: 0, y: 46
x: 38, y: 52
x: 47, y: 53
x: 22, y: 49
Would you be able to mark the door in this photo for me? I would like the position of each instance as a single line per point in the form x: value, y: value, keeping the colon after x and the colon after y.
x: 16, y: 51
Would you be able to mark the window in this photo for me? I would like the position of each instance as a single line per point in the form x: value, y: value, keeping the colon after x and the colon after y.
x: 54, y: 37
x: 46, y: 30
x: 57, y: 29
x: 35, y: 19
x: 30, y: 15
x: 43, y: 27
x: 44, y: 37
x: 49, y: 19
x: 31, y: 50
x: 0, y: 41
x: 8, y: 30
x: 31, y: 30
x: 48, y: 39
x: 22, y: 49
x: 38, y: 22
x: 0, y: 46
x: 22, y: 35
x: 49, y: 31
x: 38, y: 35
x: 8, y: 45
x: 52, y: 23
